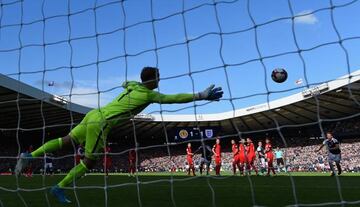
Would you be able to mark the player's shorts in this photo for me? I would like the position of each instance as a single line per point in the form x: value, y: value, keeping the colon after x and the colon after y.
x: 190, y: 161
x: 334, y: 157
x: 92, y: 131
x: 269, y: 158
x: 250, y: 158
x: 279, y: 161
x: 48, y: 165
x: 236, y: 159
x: 218, y: 160
x: 107, y: 162
x: 322, y: 165
x: 262, y: 162
x: 132, y: 161
x: 204, y: 161
x: 242, y: 159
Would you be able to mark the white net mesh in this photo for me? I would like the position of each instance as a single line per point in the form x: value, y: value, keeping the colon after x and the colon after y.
x: 73, y: 56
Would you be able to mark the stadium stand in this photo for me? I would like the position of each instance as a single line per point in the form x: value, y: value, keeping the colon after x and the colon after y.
x: 338, y: 110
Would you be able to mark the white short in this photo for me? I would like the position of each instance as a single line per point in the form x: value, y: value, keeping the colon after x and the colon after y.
x: 48, y: 165
x: 204, y: 161
x: 262, y: 162
x: 334, y: 157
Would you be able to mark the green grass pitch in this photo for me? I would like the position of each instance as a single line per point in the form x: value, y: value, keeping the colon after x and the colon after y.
x: 155, y: 190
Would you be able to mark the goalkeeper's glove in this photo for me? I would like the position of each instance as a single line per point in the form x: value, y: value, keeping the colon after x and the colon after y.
x: 210, y: 94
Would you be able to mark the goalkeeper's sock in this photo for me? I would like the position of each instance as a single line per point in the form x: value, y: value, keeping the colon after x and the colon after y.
x: 75, y: 173
x: 49, y: 146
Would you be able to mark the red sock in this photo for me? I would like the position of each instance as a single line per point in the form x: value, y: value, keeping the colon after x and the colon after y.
x: 272, y: 168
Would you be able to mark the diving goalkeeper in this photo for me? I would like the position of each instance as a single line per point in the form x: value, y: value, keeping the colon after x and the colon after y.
x: 94, y: 128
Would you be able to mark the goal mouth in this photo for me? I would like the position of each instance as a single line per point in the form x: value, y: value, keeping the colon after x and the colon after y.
x: 245, y: 91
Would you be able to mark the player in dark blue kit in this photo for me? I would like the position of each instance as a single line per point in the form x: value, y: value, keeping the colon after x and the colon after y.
x: 48, y: 164
x: 334, y: 152
x: 205, y: 160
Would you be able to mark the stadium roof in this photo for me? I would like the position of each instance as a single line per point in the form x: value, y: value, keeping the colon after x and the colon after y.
x: 336, y: 99
x: 306, y: 95
x: 22, y: 106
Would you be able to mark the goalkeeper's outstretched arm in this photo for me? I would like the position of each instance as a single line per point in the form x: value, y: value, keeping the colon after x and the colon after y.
x: 211, y: 94
x: 150, y: 77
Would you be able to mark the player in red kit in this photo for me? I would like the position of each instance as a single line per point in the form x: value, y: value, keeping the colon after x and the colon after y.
x: 250, y: 152
x: 269, y: 156
x: 28, y: 171
x: 79, y: 154
x: 242, y: 155
x: 132, y: 162
x: 217, y: 155
x: 189, y: 158
x: 107, y: 160
x: 235, y: 152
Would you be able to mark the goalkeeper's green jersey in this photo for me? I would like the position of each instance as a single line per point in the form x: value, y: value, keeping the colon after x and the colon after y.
x: 135, y: 98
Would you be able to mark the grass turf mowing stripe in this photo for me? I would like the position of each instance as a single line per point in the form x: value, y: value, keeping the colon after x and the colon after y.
x: 311, y: 188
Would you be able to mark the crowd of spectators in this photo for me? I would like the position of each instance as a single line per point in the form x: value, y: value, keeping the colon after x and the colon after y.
x: 299, y: 156
x: 305, y: 158
x: 347, y: 126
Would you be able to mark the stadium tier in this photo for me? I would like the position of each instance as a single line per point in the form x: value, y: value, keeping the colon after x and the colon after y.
x: 33, y: 108
x: 295, y: 116
x: 326, y: 102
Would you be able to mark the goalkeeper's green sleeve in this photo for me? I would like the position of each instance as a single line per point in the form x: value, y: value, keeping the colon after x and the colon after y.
x: 49, y: 146
x: 174, y: 98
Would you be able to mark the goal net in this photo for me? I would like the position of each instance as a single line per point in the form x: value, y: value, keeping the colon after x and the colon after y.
x: 61, y: 59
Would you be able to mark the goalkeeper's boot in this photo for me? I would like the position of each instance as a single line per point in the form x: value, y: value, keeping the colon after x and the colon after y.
x: 59, y: 194
x: 22, y: 162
